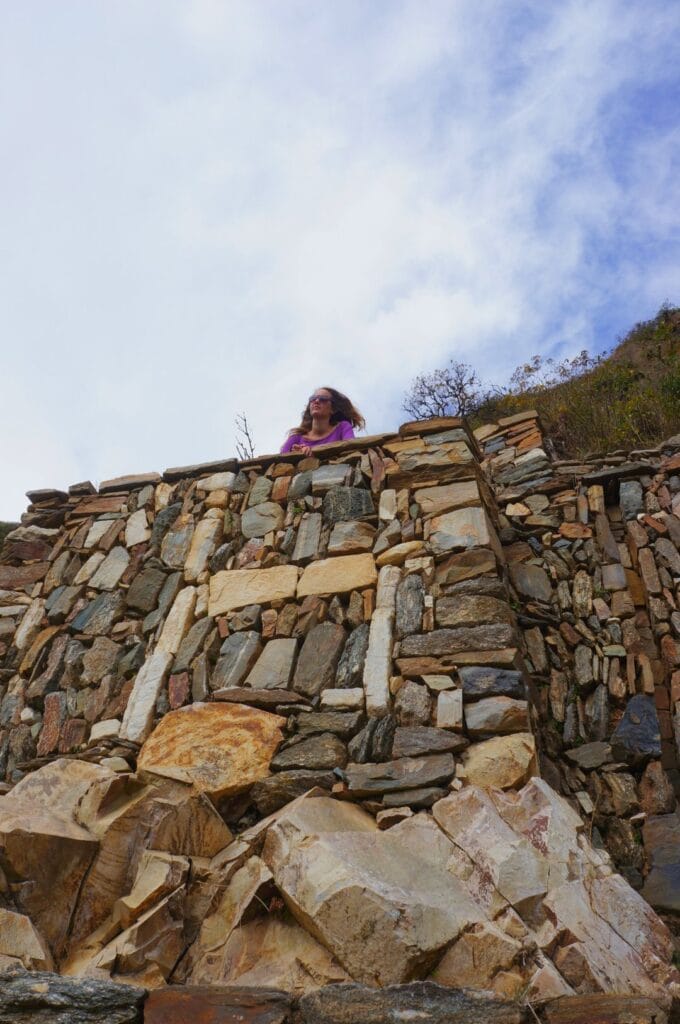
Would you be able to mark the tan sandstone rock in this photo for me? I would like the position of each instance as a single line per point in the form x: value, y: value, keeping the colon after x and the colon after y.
x: 338, y: 575
x: 501, y: 762
x: 237, y: 588
x: 221, y: 749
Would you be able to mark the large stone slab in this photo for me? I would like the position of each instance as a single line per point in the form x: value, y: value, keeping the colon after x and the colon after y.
x: 44, y: 849
x: 42, y: 998
x: 462, y: 529
x: 603, y: 1009
x: 238, y: 655
x: 235, y: 588
x: 387, y: 913
x: 463, y: 638
x: 274, y: 668
x: 319, y: 659
x: 423, y: 1002
x: 215, y: 1004
x: 221, y: 749
x: 337, y: 575
x: 434, y: 501
x: 364, y: 780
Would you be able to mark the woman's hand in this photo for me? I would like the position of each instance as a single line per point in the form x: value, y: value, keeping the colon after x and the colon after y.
x: 302, y: 449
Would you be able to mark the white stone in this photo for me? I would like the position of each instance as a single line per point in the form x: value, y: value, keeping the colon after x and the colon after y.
x: 161, y: 498
x: 216, y: 482
x: 109, y: 729
x: 139, y: 713
x: 97, y: 531
x: 388, y: 581
x: 203, y: 543
x: 137, y: 529
x: 450, y: 710
x: 89, y: 568
x: 350, y: 699
x: 378, y: 665
x: 178, y: 622
x: 28, y: 628
x: 110, y: 572
x: 387, y: 509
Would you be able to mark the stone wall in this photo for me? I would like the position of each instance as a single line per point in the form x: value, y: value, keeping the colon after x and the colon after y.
x: 592, y: 554
x: 222, y: 686
x: 328, y: 591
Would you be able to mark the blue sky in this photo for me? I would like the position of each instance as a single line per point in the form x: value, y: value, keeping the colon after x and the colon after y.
x: 212, y: 206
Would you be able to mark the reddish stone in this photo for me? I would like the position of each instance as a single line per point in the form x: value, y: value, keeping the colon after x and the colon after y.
x: 73, y: 734
x: 223, y: 627
x: 661, y: 698
x: 178, y: 690
x: 670, y: 650
x: 269, y: 618
x: 53, y: 719
x: 655, y: 524
x: 187, y: 1004
x: 97, y: 700
x: 22, y: 577
x: 656, y: 791
x: 26, y: 550
x: 671, y: 463
x: 135, y: 563
x: 665, y: 725
x: 575, y: 531
x: 116, y: 707
x: 280, y: 488
x: 112, y: 535
x: 94, y: 505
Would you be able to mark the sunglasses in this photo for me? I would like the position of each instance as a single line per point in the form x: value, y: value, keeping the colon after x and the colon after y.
x: 319, y: 398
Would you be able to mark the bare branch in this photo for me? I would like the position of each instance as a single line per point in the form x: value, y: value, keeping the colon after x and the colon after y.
x: 245, y: 446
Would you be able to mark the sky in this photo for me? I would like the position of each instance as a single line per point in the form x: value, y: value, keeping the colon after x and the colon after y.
x: 210, y: 207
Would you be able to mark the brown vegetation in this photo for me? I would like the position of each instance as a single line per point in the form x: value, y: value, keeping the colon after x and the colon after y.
x: 626, y: 398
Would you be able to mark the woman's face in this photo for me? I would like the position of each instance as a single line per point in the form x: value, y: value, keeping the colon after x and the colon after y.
x: 320, y: 402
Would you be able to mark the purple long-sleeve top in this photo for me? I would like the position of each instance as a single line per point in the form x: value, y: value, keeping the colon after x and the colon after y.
x: 340, y: 432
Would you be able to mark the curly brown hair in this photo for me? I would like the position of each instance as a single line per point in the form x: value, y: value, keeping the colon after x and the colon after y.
x: 341, y: 409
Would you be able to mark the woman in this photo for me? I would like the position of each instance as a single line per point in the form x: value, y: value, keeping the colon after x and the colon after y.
x: 329, y: 416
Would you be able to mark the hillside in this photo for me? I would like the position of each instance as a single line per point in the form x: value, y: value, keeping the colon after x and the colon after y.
x: 627, y: 398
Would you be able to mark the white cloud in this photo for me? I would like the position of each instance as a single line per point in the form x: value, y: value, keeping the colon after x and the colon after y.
x: 216, y: 206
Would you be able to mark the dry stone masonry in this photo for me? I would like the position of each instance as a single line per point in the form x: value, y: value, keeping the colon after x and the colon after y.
x: 400, y: 716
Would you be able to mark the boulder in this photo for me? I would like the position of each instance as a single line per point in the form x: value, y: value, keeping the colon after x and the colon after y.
x: 387, y: 914
x: 220, y: 749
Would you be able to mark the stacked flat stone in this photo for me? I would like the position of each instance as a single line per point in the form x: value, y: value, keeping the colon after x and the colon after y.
x: 592, y: 552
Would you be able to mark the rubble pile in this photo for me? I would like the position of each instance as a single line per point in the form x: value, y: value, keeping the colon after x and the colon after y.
x: 282, y: 724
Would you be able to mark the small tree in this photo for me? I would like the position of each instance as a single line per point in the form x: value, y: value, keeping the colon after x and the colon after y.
x: 245, y: 446
x: 452, y: 391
